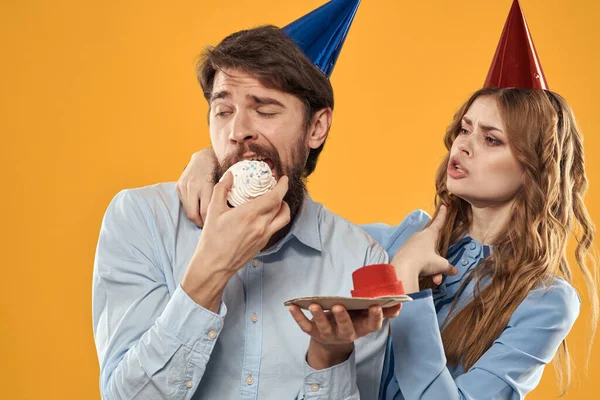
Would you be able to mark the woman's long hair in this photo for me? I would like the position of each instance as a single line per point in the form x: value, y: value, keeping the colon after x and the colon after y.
x: 531, y: 250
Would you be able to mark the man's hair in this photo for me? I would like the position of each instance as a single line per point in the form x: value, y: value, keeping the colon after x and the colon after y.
x: 268, y: 54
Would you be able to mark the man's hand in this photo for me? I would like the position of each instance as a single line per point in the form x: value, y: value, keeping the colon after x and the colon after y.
x: 333, y: 333
x: 230, y: 238
x: 195, y: 186
x: 418, y: 256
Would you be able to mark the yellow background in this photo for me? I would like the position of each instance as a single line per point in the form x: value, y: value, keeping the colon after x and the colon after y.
x: 100, y: 96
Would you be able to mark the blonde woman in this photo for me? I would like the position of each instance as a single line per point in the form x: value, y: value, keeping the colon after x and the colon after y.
x: 513, y: 183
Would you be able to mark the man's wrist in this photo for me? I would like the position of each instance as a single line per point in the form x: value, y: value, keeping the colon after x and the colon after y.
x: 321, y: 356
x: 205, y: 287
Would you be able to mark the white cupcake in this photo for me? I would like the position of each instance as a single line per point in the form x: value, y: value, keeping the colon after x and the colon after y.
x: 251, y: 178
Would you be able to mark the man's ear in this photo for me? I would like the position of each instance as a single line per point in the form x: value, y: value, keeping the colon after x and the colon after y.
x: 319, y: 128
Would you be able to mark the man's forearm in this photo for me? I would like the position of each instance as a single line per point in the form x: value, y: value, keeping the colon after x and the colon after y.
x: 169, y: 359
x: 205, y: 286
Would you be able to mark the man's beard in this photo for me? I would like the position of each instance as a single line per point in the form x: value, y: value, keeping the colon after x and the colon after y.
x: 295, y: 172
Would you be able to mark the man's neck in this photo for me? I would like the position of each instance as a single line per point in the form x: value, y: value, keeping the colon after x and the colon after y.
x: 280, y: 234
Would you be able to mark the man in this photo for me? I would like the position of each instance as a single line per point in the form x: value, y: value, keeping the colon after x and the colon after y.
x: 184, y: 313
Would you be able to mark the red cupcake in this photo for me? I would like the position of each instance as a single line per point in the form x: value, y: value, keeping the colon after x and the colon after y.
x: 376, y: 280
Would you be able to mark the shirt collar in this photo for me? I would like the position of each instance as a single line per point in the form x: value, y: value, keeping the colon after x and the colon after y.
x: 466, y: 239
x: 484, y: 248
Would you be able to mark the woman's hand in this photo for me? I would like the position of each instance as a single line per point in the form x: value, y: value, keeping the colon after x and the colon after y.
x: 418, y: 256
x: 195, y: 186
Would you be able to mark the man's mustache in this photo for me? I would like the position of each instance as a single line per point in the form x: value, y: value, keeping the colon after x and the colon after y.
x: 259, y: 152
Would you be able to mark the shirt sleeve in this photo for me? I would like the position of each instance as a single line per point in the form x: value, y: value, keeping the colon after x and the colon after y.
x: 150, y: 344
x: 337, y: 382
x: 510, y: 369
x: 392, y: 237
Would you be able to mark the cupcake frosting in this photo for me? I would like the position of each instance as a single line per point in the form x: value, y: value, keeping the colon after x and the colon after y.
x: 251, y: 178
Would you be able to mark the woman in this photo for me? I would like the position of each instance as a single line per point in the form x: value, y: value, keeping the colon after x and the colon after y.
x: 513, y: 181
x: 509, y: 193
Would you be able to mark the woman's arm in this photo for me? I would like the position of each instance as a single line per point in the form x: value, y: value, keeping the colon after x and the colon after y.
x: 510, y: 369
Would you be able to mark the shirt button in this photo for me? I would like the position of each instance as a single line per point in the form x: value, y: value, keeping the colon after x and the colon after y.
x: 472, y: 246
x: 254, y: 318
x: 188, y: 384
x: 314, y: 387
x: 255, y: 262
x: 249, y: 380
x: 212, y: 334
x: 464, y: 261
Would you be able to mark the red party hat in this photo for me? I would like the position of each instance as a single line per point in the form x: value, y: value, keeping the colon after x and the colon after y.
x: 516, y: 64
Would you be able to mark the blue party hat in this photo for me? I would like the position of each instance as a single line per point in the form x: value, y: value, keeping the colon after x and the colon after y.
x: 321, y: 33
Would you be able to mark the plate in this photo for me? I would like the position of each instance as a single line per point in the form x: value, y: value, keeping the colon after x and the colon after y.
x: 351, y: 303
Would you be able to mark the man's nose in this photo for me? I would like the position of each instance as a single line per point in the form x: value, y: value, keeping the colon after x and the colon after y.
x: 242, y: 128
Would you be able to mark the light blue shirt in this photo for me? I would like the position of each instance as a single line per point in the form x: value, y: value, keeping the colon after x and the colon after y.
x: 415, y: 364
x: 154, y: 342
